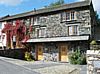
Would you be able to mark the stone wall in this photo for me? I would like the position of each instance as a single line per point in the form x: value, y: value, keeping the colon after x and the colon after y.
x: 13, y: 53
x: 50, y: 52
x: 56, y: 28
x: 93, y: 61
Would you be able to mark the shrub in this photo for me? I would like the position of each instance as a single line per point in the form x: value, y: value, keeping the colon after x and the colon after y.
x: 93, y: 42
x: 28, y: 56
x: 77, y: 58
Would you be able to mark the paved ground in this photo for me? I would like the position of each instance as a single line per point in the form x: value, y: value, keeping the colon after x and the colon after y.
x: 8, y: 68
x: 44, y: 67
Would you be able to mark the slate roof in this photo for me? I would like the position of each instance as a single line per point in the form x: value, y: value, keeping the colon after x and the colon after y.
x: 47, y: 10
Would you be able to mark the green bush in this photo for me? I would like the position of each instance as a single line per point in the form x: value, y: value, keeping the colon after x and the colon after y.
x: 77, y: 58
x: 93, y: 42
x: 28, y: 56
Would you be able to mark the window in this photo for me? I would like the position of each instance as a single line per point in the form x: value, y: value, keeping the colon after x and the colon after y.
x: 36, y: 20
x: 41, y: 32
x: 14, y: 23
x: 68, y: 16
x: 73, y: 30
x: 43, y: 19
x: 70, y: 30
x: 27, y: 22
x: 72, y: 15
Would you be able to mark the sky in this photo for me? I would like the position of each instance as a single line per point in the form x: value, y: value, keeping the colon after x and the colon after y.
x: 13, y: 7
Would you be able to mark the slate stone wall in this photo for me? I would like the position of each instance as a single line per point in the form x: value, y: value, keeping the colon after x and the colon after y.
x: 93, y: 61
x: 56, y: 28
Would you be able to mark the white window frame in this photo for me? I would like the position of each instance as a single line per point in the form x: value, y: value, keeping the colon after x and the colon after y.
x: 40, y: 32
x: 71, y: 31
x: 64, y: 16
x: 36, y: 20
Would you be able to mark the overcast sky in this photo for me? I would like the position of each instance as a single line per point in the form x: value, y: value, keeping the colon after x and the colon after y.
x: 18, y: 6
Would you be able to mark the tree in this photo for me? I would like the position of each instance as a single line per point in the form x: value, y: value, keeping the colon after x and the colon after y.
x: 57, y: 3
x: 97, y: 18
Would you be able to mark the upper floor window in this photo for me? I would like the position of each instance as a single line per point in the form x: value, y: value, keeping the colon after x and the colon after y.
x: 72, y: 15
x: 36, y: 20
x: 73, y: 30
x: 14, y: 23
x: 43, y: 19
x: 68, y: 16
x: 27, y: 22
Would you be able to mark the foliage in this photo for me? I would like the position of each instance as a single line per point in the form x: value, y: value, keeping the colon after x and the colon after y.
x: 94, y: 45
x: 97, y: 18
x: 16, y: 55
x: 57, y: 3
x: 93, y: 42
x: 28, y: 56
x: 77, y: 58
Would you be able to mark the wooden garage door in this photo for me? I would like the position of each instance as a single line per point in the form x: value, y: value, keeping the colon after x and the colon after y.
x: 39, y: 52
x: 63, y: 53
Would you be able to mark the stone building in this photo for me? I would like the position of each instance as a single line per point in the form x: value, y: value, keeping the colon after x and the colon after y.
x: 59, y: 30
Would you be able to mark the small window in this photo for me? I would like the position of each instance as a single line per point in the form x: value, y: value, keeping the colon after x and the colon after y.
x: 70, y: 30
x: 73, y: 30
x: 14, y: 23
x: 68, y: 16
x: 41, y: 32
x: 72, y: 15
x: 36, y: 20
x: 27, y: 22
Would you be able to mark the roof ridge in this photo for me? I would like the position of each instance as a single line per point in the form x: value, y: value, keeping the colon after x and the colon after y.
x: 49, y: 9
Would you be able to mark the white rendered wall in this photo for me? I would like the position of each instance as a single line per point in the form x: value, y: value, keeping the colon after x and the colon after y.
x: 2, y: 41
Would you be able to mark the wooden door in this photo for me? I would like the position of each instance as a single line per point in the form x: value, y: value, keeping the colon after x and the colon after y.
x: 39, y: 52
x: 63, y: 53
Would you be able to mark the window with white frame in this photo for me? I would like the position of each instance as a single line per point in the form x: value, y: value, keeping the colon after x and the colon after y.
x: 14, y: 22
x: 41, y: 32
x: 68, y: 16
x: 70, y: 30
x: 73, y: 30
x: 27, y: 21
x: 36, y: 20
x: 72, y: 15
